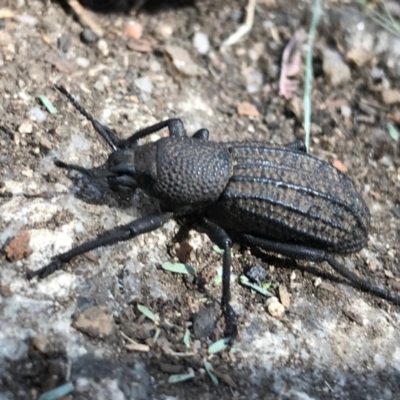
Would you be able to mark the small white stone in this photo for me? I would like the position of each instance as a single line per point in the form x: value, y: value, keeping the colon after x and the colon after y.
x: 317, y: 282
x: 37, y: 114
x: 165, y: 30
x: 276, y: 310
x: 144, y: 84
x: 103, y: 47
x: 201, y: 42
x: 346, y: 111
x: 25, y: 127
x: 99, y: 85
x: 82, y: 62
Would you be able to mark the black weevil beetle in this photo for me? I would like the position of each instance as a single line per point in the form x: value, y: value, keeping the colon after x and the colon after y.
x: 281, y: 200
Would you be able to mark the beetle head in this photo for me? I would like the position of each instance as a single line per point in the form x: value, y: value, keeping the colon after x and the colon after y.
x: 133, y: 167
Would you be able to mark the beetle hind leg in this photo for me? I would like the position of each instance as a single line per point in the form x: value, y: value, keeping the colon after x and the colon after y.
x: 316, y: 255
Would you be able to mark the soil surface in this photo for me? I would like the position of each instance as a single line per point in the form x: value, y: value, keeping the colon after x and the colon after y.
x: 82, y: 325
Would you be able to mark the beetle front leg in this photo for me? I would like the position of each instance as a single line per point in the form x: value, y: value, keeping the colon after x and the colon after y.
x: 310, y: 254
x: 222, y: 240
x: 175, y: 127
x: 121, y: 233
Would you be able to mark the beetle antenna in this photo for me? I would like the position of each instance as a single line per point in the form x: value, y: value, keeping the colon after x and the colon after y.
x: 106, y: 133
x: 94, y: 172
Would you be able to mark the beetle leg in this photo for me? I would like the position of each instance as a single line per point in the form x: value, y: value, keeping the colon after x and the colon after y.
x: 297, y: 145
x: 203, y: 134
x: 316, y: 255
x: 175, y: 127
x: 222, y: 240
x: 119, y: 234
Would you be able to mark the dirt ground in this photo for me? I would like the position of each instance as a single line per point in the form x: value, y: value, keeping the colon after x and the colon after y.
x: 82, y: 324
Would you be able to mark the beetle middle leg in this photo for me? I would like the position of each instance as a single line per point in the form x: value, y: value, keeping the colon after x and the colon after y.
x: 222, y: 240
x: 119, y: 234
x: 202, y: 134
x: 316, y: 255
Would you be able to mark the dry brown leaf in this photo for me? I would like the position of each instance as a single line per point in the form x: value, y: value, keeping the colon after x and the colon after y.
x: 291, y: 65
x: 62, y: 64
x: 340, y: 166
x: 225, y: 378
x: 247, y: 109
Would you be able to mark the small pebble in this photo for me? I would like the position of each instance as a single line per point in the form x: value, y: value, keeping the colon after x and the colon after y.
x: 335, y: 69
x: 88, y: 36
x: 390, y: 96
x: 25, y: 127
x: 40, y: 343
x: 144, y: 84
x: 64, y: 42
x: 346, y: 111
x: 133, y: 30
x: 317, y: 282
x: 99, y: 86
x: 201, y: 42
x: 377, y: 73
x: 204, y: 321
x: 103, y: 47
x: 254, y: 80
x: 5, y: 290
x: 45, y: 143
x: 165, y: 30
x: 37, y: 114
x: 270, y: 300
x: 26, y: 19
x: 276, y: 309
x: 95, y: 321
x: 257, y: 274
x: 82, y: 62
x: 154, y: 66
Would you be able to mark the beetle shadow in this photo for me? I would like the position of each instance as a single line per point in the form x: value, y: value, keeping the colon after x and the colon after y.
x: 97, y: 191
